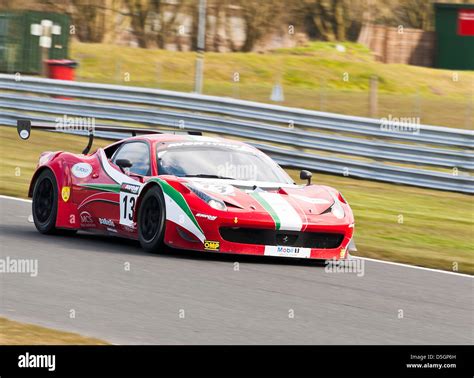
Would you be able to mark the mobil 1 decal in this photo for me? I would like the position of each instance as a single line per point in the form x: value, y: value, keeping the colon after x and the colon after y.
x: 128, y: 200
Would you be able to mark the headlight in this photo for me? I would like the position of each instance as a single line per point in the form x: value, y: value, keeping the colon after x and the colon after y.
x: 337, y: 209
x: 217, y: 204
x: 211, y: 201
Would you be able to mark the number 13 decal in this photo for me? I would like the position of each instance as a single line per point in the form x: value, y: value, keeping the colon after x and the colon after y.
x: 128, y: 200
x: 128, y: 207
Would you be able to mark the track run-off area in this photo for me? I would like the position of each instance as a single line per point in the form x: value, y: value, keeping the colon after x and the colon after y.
x: 108, y: 288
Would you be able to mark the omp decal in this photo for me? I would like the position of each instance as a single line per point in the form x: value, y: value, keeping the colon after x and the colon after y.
x: 66, y: 193
x: 211, y: 245
x: 284, y: 251
x: 178, y: 211
x: 282, y: 212
x: 342, y: 254
x: 81, y: 170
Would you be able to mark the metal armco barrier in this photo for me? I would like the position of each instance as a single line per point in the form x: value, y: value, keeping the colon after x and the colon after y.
x: 337, y: 144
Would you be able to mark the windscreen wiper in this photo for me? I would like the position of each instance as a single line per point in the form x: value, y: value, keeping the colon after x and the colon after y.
x: 203, y: 175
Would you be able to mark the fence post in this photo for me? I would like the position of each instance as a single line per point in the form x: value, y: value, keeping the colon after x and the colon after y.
x: 322, y: 95
x: 373, y: 100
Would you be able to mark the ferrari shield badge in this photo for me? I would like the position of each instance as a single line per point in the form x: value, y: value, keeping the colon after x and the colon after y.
x: 66, y: 193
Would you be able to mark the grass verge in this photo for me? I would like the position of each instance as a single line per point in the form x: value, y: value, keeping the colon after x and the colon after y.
x: 16, y: 333
x: 315, y: 77
x: 393, y: 222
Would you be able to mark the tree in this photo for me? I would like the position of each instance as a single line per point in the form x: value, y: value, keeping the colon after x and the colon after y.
x: 416, y: 14
x: 167, y: 19
x: 328, y: 20
x: 260, y: 17
x: 138, y: 12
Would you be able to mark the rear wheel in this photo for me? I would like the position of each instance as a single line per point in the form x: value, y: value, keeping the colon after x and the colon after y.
x: 45, y: 204
x: 151, y: 220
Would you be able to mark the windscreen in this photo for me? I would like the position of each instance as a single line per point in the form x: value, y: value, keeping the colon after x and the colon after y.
x: 218, y: 160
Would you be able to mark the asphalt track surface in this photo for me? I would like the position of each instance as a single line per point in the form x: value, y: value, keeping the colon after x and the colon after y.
x: 221, y: 306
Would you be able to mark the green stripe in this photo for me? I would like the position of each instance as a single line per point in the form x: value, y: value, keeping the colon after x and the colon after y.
x: 114, y: 188
x: 179, y: 199
x: 267, y: 207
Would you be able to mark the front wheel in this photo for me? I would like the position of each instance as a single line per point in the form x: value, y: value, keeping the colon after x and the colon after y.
x: 151, y: 220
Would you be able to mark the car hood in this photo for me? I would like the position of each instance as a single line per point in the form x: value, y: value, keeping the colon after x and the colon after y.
x: 255, y: 195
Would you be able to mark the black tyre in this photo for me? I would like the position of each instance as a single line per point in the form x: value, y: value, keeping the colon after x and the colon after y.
x: 152, y: 220
x: 45, y: 204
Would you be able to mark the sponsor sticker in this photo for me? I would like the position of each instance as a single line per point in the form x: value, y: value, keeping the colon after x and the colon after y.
x: 284, y: 251
x: 81, y: 170
x: 130, y: 188
x: 211, y: 245
x: 86, y: 219
x: 107, y: 222
x: 66, y: 193
x: 207, y: 216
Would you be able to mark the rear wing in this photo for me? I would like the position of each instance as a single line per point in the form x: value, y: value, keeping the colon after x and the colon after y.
x: 24, y: 126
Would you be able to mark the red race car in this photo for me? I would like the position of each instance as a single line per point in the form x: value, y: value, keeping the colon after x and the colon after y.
x: 189, y: 192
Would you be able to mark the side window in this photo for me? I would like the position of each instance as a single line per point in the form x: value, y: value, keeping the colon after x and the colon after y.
x: 138, y: 154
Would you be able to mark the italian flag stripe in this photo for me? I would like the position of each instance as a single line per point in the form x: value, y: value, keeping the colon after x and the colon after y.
x: 179, y: 199
x: 281, y: 210
x: 269, y: 209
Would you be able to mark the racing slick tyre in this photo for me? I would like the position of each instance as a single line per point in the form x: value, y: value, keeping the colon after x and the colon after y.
x: 151, y: 220
x: 45, y: 204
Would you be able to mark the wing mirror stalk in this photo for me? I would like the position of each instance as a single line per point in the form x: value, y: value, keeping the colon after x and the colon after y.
x: 123, y: 163
x: 306, y: 175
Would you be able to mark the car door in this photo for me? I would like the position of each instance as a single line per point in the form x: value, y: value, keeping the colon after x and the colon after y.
x: 107, y: 197
x: 138, y: 153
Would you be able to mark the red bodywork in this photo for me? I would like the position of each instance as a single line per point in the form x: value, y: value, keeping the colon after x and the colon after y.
x: 90, y: 197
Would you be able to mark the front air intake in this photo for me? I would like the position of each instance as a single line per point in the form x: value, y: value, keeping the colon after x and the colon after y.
x: 320, y: 240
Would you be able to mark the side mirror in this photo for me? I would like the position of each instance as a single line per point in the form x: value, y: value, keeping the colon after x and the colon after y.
x: 123, y: 163
x: 306, y: 175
